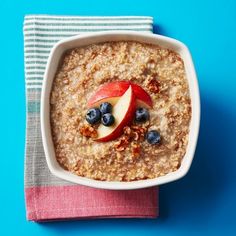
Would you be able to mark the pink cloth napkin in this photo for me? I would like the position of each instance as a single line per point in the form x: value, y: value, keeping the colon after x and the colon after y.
x: 48, y: 197
x: 68, y: 202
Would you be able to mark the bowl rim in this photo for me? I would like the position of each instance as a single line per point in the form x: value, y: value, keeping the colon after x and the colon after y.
x: 53, y: 165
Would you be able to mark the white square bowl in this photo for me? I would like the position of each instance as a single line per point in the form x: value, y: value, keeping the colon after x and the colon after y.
x: 86, y: 39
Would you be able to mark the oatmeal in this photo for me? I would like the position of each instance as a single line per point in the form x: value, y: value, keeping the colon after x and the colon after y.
x: 130, y: 156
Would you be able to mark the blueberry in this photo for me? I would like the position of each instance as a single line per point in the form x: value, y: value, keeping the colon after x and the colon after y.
x: 108, y: 119
x: 153, y: 137
x: 93, y: 116
x: 106, y: 107
x: 141, y: 115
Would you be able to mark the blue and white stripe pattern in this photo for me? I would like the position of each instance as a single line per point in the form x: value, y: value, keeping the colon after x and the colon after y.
x: 41, y: 32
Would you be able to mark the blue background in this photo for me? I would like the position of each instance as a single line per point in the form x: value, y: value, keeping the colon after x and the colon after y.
x: 202, y: 202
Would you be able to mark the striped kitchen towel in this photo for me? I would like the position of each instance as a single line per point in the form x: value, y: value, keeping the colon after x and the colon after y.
x: 48, y: 197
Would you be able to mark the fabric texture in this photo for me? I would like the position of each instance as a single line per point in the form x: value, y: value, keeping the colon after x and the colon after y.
x: 48, y: 197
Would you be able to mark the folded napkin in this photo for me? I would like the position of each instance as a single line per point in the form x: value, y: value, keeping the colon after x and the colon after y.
x: 48, y: 197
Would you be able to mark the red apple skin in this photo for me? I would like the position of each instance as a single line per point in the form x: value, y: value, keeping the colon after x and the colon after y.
x: 113, y: 101
x: 107, y: 90
x: 126, y: 121
x: 117, y: 89
x: 142, y: 95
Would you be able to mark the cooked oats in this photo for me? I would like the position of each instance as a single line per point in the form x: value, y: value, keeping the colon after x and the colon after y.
x: 130, y: 157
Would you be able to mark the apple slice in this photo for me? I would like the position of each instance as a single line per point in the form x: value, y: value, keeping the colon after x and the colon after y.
x: 111, y: 92
x: 123, y: 111
x: 143, y: 98
x: 113, y: 101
